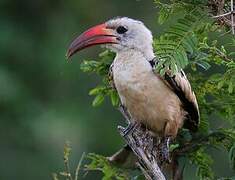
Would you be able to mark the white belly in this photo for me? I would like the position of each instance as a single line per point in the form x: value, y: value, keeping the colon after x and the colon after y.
x: 148, y: 99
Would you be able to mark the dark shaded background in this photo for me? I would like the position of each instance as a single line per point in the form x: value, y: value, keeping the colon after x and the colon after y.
x: 43, y: 98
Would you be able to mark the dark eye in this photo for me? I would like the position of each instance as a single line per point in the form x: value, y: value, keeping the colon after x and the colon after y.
x: 121, y: 30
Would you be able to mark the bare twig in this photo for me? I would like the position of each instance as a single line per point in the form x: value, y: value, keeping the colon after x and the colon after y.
x: 79, y: 166
x: 67, y: 150
x: 222, y: 15
x: 232, y: 13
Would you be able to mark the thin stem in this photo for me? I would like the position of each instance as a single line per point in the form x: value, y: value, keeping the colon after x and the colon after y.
x: 232, y: 14
x: 67, y: 168
x: 79, y: 165
x: 222, y: 15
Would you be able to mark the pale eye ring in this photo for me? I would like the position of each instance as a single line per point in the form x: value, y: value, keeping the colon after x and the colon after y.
x: 121, y: 30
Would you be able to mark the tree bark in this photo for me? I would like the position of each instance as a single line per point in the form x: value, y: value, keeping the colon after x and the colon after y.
x: 142, y: 144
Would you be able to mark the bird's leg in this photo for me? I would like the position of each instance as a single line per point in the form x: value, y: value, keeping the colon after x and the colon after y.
x: 131, y: 123
x: 149, y: 141
x: 155, y: 144
x: 125, y: 112
x: 164, y: 149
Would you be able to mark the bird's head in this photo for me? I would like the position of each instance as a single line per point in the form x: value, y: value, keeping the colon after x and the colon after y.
x: 116, y: 34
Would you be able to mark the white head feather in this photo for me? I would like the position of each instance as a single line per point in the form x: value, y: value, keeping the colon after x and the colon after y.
x: 137, y: 36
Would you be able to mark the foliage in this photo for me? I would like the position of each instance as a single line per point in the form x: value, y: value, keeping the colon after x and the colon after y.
x: 66, y: 174
x: 203, y: 162
x: 187, y: 44
x: 101, y: 67
x: 178, y: 44
x: 96, y: 163
x: 101, y: 163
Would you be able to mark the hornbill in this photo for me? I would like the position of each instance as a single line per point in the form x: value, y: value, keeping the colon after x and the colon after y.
x: 162, y: 103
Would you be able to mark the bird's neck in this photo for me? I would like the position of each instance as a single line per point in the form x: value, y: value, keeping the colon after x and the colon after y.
x: 147, y: 53
x: 130, y: 58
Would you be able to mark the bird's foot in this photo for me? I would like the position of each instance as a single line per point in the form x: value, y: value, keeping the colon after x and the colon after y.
x: 125, y: 131
x: 148, y: 142
x: 164, y: 150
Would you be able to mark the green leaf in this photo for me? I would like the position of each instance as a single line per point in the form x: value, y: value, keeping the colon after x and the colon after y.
x: 230, y: 87
x: 203, y: 162
x: 99, y: 99
x: 94, y: 91
x: 174, y: 68
x: 205, y: 65
x: 173, y: 146
x: 232, y: 156
x: 114, y: 98
x: 220, y: 84
x: 182, y: 58
x: 188, y: 47
x: 163, y: 15
x: 231, y: 54
x: 100, y: 163
x: 162, y: 72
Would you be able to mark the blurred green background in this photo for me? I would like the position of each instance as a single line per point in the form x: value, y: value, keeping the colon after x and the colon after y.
x: 43, y: 98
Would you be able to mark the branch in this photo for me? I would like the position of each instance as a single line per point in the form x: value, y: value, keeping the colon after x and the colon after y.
x: 232, y: 25
x: 141, y: 143
x: 224, y: 17
x: 195, y: 144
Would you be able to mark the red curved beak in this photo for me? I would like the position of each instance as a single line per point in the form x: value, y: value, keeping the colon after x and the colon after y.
x: 99, y: 34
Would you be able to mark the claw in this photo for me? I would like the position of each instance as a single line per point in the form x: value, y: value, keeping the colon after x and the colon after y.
x: 165, y: 150
x: 128, y: 129
x: 121, y: 129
